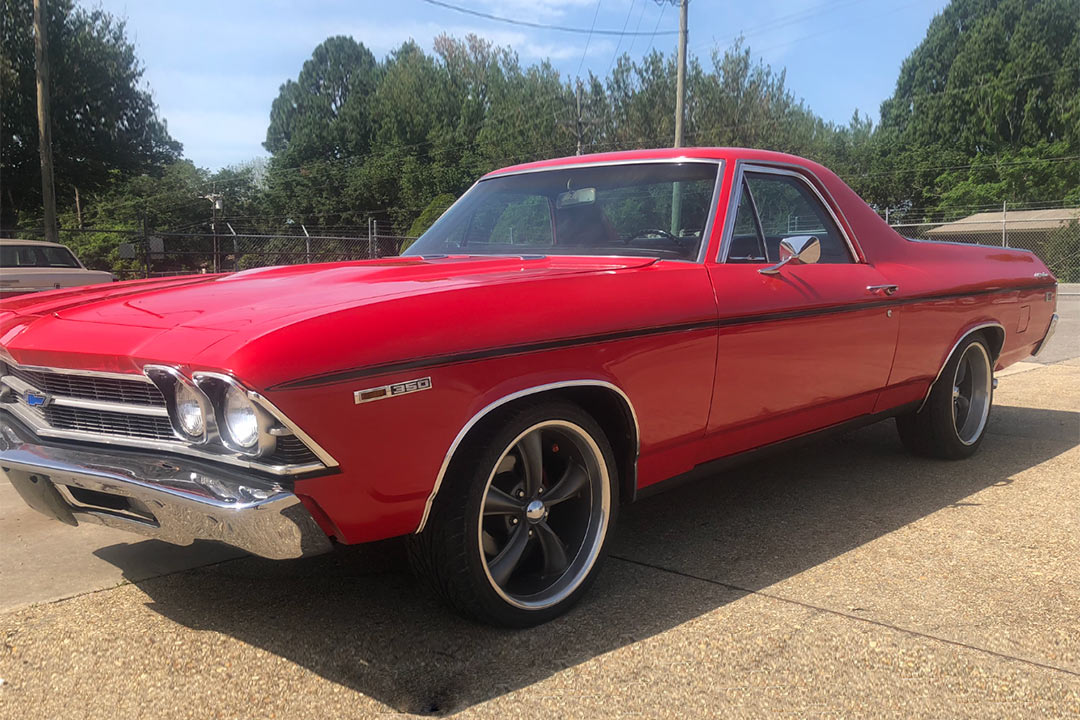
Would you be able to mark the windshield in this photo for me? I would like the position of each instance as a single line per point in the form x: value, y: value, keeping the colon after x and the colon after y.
x: 647, y: 209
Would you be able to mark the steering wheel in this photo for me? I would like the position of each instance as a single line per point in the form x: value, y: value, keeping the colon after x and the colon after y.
x: 650, y: 231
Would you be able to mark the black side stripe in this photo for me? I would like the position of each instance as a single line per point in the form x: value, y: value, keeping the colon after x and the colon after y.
x: 473, y: 355
x: 562, y: 343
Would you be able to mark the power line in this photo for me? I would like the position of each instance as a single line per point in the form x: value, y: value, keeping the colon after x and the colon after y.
x: 626, y: 22
x: 541, y: 26
x: 641, y: 14
x: 587, y: 39
x: 782, y: 21
x: 656, y: 29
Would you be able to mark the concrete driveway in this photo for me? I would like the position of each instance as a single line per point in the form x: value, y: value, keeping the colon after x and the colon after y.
x: 843, y: 579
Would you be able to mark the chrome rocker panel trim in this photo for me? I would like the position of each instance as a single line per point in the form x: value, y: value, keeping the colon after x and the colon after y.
x: 510, y: 398
x: 159, y: 498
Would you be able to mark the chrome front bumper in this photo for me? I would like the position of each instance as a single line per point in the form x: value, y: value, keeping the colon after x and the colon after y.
x: 160, y: 497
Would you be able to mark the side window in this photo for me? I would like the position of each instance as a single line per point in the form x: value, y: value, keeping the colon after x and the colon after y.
x: 747, y: 245
x: 786, y: 207
x: 12, y: 256
x: 59, y: 257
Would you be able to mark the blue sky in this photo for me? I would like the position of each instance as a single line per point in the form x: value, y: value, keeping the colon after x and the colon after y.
x: 215, y: 66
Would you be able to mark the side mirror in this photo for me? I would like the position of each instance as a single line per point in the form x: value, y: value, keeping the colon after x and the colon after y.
x: 797, y: 250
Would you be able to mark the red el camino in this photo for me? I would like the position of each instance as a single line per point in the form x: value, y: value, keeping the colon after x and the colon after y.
x: 568, y: 335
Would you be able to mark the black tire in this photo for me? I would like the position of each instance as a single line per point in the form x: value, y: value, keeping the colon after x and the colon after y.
x: 945, y: 428
x: 458, y: 554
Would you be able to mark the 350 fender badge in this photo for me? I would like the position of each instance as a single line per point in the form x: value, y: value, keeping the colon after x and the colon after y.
x: 386, y: 391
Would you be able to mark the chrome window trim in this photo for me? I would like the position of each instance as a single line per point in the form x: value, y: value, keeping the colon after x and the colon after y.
x: 710, y: 222
x: 973, y: 329
x: 510, y: 398
x: 786, y: 169
x: 603, y: 163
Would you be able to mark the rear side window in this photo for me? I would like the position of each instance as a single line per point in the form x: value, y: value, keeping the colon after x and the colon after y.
x: 58, y: 257
x: 40, y: 256
x: 787, y: 207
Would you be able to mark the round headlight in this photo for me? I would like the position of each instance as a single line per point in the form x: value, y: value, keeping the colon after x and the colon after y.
x: 189, y: 412
x: 241, y: 418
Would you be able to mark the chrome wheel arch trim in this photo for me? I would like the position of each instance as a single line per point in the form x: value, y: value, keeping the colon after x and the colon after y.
x: 968, y: 333
x: 487, y: 409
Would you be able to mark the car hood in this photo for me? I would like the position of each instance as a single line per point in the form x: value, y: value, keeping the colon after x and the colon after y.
x: 124, y: 319
x: 248, y: 298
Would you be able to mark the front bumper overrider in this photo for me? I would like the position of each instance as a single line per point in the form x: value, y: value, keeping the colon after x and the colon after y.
x: 163, y: 497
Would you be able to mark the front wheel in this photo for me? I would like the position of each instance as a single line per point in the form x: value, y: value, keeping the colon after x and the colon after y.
x: 952, y: 422
x: 519, y: 526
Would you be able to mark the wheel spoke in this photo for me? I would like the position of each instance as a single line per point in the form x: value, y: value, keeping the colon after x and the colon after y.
x: 569, y: 485
x: 498, y: 502
x: 961, y: 372
x: 532, y: 453
x: 962, y: 407
x: 553, y: 549
x: 504, y: 564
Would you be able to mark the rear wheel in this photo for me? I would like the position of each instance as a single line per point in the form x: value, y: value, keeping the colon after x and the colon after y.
x: 519, y: 527
x: 952, y: 422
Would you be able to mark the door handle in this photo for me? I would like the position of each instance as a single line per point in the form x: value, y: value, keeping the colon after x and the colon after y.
x: 882, y: 289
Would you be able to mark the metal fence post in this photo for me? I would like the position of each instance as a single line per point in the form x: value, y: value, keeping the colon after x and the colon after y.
x: 146, y: 246
x: 1004, y: 236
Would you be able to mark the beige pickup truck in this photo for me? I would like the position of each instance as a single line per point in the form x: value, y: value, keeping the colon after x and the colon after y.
x: 28, y: 266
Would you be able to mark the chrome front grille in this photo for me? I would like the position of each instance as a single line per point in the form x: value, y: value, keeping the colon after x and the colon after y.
x: 91, y: 387
x: 291, y: 450
x: 131, y: 410
x: 103, y: 422
x: 97, y: 406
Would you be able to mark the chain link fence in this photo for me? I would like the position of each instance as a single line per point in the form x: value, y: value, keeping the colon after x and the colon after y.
x: 1054, y: 236
x: 131, y: 254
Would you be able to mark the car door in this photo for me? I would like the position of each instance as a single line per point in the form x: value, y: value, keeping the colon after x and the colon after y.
x: 806, y: 347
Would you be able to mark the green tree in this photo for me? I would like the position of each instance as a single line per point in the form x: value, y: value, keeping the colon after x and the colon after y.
x: 105, y: 125
x: 991, y: 75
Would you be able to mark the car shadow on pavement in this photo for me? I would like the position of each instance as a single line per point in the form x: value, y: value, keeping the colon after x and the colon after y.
x: 356, y: 617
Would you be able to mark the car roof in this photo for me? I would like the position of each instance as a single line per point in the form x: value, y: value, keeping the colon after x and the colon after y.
x: 17, y: 241
x: 658, y: 154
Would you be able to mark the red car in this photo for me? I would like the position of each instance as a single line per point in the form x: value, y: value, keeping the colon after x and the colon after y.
x: 567, y: 336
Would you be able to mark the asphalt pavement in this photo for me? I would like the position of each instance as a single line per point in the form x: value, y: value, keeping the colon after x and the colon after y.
x: 842, y: 579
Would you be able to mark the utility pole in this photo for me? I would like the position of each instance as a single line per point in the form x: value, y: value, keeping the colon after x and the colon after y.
x: 215, y: 205
x: 680, y: 86
x: 41, y: 58
x: 680, y: 102
x: 577, y: 118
